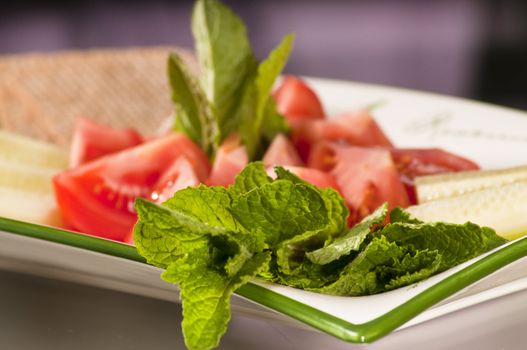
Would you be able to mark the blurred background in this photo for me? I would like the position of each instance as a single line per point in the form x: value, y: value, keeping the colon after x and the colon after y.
x: 469, y: 48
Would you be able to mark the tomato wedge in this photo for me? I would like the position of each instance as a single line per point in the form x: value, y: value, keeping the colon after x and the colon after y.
x: 367, y: 176
x: 97, y: 198
x: 412, y: 162
x: 282, y: 152
x: 419, y: 162
x: 230, y: 161
x: 297, y: 101
x: 92, y: 140
x: 356, y: 128
x: 179, y: 176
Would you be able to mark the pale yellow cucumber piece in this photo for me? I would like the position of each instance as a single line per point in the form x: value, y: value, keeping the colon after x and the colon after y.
x: 22, y: 149
x: 29, y: 206
x: 502, y: 208
x: 26, y: 177
x: 434, y: 187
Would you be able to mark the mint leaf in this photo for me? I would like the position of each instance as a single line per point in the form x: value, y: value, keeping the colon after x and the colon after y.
x: 404, y: 253
x: 491, y: 239
x: 336, y: 207
x: 226, y: 60
x: 251, y: 177
x: 205, y: 250
x: 266, y: 75
x: 412, y: 268
x: 281, y: 210
x: 165, y: 232
x: 284, y: 174
x: 351, y: 241
x: 231, y: 251
x: 309, y: 276
x: 383, y: 266
x: 292, y: 265
x: 185, y: 226
x: 269, y: 70
x: 156, y: 245
x: 209, y: 205
x: 456, y: 243
x: 162, y: 235
x: 402, y: 216
x: 273, y: 123
x: 291, y: 253
x: 338, y: 211
x: 205, y: 292
x: 192, y: 112
x: 360, y: 277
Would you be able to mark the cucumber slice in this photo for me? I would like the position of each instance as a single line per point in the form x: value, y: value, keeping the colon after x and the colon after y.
x: 502, y: 208
x: 22, y: 149
x: 434, y: 187
x: 29, y: 206
x: 26, y: 177
x: 26, y: 170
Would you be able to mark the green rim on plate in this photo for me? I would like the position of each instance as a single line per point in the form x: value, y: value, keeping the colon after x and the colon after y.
x: 356, y: 333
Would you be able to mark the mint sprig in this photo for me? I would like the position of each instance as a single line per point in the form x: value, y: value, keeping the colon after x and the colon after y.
x: 233, y: 94
x: 212, y: 240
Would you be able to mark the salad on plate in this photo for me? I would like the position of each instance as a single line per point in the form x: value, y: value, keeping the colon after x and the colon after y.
x: 254, y: 180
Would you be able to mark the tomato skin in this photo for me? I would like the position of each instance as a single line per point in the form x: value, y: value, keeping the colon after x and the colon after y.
x: 129, y: 238
x: 359, y: 128
x: 179, y: 175
x: 97, y: 197
x: 282, y: 152
x: 88, y: 215
x: 93, y: 140
x: 230, y: 160
x: 356, y: 128
x: 367, y: 177
x: 414, y: 162
x: 428, y: 161
x: 297, y: 101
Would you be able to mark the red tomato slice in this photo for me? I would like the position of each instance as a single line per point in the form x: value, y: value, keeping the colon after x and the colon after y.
x: 367, y: 176
x: 230, y: 160
x: 92, y: 140
x: 179, y: 176
x: 282, y: 152
x: 130, y: 237
x: 97, y: 197
x: 357, y: 128
x: 297, y: 101
x: 421, y: 162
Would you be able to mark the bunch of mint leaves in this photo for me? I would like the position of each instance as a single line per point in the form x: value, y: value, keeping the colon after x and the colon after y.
x: 212, y: 240
x: 232, y: 94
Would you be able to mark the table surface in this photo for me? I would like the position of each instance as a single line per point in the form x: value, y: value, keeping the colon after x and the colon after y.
x: 40, y: 313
